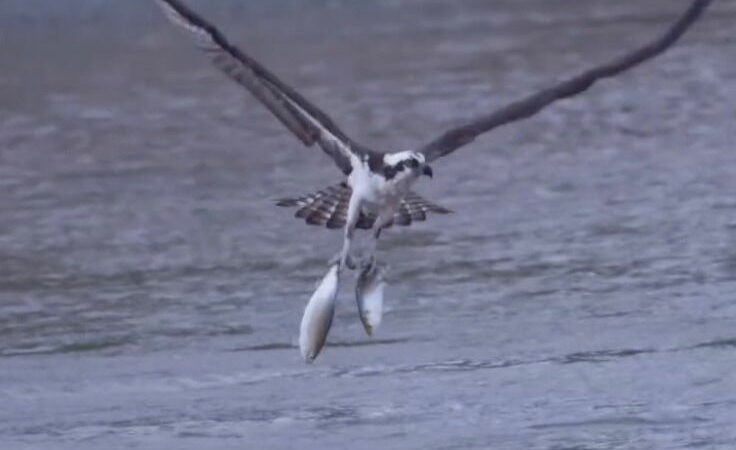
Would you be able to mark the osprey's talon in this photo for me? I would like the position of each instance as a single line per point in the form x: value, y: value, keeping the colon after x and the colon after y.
x: 367, y: 264
x: 349, y: 262
x: 342, y: 262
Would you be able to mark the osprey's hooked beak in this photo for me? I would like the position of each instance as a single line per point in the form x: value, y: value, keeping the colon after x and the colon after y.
x: 427, y: 171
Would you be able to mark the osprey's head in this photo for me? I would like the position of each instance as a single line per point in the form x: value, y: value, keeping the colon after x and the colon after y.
x: 405, y: 165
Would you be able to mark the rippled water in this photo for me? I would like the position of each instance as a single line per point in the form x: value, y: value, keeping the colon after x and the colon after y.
x: 581, y: 297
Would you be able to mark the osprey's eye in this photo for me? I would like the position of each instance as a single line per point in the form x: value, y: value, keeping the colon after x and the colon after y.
x: 413, y: 163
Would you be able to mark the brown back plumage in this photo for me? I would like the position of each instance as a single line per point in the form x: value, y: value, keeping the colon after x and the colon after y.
x: 329, y: 207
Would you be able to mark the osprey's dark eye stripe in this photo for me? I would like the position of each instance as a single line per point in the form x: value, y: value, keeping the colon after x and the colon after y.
x: 413, y: 163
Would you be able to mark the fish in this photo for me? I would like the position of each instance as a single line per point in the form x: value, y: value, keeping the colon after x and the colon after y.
x: 369, y: 295
x: 318, y: 315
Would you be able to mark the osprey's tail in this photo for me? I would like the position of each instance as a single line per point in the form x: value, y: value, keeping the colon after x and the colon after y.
x: 329, y: 207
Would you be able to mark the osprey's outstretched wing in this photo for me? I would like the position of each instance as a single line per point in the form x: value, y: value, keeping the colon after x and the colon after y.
x: 305, y: 120
x: 455, y: 138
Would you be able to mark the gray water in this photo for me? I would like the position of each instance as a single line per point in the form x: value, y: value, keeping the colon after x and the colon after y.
x: 583, y: 295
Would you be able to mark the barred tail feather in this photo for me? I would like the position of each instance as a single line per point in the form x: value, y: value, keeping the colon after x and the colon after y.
x: 329, y: 207
x: 414, y: 208
x: 325, y: 207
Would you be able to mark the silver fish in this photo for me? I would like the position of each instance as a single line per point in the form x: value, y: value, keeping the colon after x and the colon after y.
x: 318, y: 315
x: 369, y: 295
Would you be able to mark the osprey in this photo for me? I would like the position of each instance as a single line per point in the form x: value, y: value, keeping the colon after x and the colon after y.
x: 377, y: 190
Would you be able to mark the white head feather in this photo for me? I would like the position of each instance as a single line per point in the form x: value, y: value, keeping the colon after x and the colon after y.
x: 392, y: 159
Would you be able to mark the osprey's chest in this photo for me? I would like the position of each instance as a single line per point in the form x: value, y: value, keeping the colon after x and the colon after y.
x: 373, y: 187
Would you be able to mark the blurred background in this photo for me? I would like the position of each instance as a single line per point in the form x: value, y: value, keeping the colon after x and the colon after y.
x: 581, y: 296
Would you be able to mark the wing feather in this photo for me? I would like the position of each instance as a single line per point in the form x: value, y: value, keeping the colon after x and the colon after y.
x: 457, y: 137
x: 302, y: 118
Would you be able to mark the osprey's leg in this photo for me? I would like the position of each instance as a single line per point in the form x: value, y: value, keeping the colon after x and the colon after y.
x: 382, y: 221
x: 374, y: 244
x: 352, y: 220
